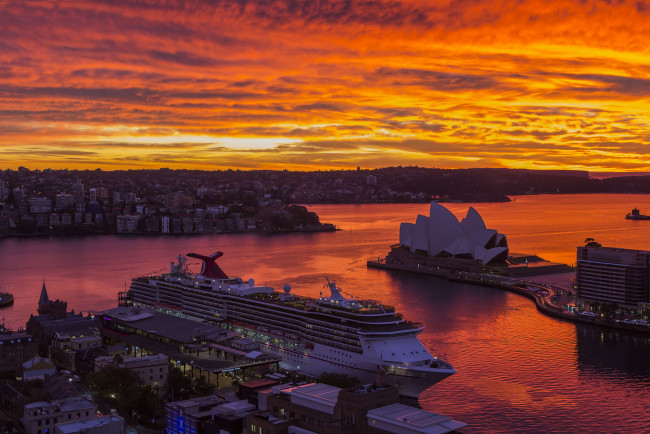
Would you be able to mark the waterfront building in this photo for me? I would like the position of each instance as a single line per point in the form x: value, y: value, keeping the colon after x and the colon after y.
x: 165, y: 225
x: 442, y: 235
x: 613, y: 275
x: 127, y: 223
x: 15, y: 349
x: 66, y: 219
x: 40, y: 205
x: 42, y: 220
x: 63, y: 201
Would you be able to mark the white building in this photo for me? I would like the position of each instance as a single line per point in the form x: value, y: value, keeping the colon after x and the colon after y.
x: 165, y: 225
x: 441, y: 234
x: 42, y: 417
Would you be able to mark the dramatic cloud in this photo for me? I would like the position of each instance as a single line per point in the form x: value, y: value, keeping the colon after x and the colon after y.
x: 304, y: 84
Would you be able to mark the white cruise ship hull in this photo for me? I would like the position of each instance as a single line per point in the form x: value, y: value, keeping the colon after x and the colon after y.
x: 410, y: 380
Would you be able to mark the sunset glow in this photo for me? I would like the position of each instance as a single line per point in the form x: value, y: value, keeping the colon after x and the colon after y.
x: 322, y: 85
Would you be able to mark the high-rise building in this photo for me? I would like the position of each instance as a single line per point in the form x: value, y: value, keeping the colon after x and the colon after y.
x: 92, y: 194
x: 4, y: 190
x: 613, y: 275
x: 63, y: 201
x: 165, y: 225
x: 78, y: 191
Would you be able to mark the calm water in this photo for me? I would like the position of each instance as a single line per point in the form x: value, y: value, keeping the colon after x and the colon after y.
x: 517, y: 369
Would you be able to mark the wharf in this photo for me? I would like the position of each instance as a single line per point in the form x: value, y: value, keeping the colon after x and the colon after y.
x: 551, y: 300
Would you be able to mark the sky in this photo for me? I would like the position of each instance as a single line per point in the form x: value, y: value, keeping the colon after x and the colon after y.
x: 313, y: 84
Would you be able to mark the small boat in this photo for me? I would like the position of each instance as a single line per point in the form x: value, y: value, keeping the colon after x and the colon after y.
x: 636, y: 215
x: 6, y: 299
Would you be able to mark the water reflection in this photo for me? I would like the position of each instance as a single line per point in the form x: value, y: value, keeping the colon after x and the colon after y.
x: 604, y: 351
x: 518, y: 370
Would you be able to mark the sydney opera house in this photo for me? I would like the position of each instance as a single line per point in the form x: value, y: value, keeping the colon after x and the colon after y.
x: 441, y: 235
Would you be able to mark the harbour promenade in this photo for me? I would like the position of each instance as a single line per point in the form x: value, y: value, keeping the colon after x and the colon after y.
x: 556, y: 300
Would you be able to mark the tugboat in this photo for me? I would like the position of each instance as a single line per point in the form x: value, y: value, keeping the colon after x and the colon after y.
x: 636, y: 215
x: 6, y: 299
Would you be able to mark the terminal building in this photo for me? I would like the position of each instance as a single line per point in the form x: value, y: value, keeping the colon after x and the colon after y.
x: 612, y: 275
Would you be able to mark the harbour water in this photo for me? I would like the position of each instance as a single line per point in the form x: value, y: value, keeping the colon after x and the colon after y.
x: 518, y: 370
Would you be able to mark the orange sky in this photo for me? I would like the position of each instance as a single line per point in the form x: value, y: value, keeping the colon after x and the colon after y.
x: 318, y: 85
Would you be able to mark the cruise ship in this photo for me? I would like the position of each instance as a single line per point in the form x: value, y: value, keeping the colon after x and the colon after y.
x: 334, y: 333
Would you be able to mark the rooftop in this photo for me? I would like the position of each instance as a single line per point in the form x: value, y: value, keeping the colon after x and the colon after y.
x: 405, y: 419
x: 82, y: 426
x: 161, y: 324
x: 319, y: 396
x: 14, y: 336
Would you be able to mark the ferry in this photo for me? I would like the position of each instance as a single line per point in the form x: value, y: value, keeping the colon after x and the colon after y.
x: 6, y: 299
x: 635, y: 214
x: 365, y: 339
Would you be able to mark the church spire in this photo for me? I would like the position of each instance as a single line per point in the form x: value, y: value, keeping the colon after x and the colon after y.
x: 43, y: 301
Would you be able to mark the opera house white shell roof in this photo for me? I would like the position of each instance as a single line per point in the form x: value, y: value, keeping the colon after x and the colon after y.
x: 441, y: 234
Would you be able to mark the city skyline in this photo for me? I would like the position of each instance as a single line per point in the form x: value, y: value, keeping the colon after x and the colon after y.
x: 305, y: 86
